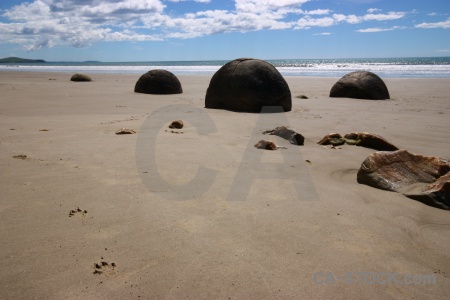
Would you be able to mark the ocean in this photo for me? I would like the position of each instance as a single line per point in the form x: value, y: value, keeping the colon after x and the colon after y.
x: 412, y: 67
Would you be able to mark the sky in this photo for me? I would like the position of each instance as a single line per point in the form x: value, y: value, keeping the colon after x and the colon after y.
x: 177, y: 30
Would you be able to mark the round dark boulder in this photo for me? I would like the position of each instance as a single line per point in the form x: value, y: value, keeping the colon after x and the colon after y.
x: 80, y: 77
x: 247, y: 84
x: 158, y: 82
x: 360, y: 85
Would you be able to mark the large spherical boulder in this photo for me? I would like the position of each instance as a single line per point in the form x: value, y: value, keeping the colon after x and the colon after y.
x: 360, y: 85
x: 158, y: 82
x: 80, y: 77
x: 247, y: 84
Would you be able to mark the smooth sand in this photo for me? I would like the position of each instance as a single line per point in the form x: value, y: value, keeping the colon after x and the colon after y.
x: 171, y: 238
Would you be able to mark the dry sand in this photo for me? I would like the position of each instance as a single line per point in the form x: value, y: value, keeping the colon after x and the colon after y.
x: 213, y: 237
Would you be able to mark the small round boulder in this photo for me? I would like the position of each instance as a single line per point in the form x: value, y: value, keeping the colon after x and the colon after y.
x: 80, y: 77
x: 161, y: 82
x: 360, y: 85
x: 247, y: 85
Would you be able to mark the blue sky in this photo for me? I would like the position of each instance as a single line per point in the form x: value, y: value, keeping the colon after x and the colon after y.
x: 154, y: 30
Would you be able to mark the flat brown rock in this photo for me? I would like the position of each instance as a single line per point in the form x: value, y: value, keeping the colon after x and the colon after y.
x: 441, y: 185
x: 407, y: 173
x: 435, y: 194
x: 369, y: 140
x: 268, y: 145
x: 291, y: 135
x: 125, y: 131
x: 334, y: 139
x: 363, y: 139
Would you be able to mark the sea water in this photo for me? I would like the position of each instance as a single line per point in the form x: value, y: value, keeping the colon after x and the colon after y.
x: 412, y: 67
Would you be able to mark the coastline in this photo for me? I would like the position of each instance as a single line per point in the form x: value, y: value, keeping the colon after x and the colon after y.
x: 268, y: 245
x: 409, y: 67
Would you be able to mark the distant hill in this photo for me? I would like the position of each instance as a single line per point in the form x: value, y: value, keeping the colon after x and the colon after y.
x: 20, y: 60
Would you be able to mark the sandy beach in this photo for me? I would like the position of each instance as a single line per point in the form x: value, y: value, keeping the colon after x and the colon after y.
x: 166, y: 215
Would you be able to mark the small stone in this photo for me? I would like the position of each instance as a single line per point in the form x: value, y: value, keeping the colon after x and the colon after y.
x: 125, y: 131
x: 177, y: 124
x: 286, y: 133
x: 98, y: 266
x: 104, y: 263
x: 334, y: 139
x: 267, y: 145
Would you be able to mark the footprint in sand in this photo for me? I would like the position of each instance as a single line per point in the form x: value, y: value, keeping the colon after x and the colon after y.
x: 105, y: 268
x: 77, y: 212
x: 344, y: 175
x: 424, y: 232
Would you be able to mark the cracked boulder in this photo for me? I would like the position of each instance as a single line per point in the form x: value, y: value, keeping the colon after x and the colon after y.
x: 247, y: 85
x: 360, y: 85
x: 160, y: 82
x: 422, y: 178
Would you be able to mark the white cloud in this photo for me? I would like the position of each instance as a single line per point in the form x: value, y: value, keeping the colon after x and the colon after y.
x: 444, y: 24
x: 384, y: 17
x: 46, y: 23
x: 308, y: 22
x: 352, y: 19
x: 376, y: 29
x: 318, y: 12
x: 443, y: 50
x: 199, y: 1
x: 259, y: 6
x: 372, y: 10
x: 323, y: 33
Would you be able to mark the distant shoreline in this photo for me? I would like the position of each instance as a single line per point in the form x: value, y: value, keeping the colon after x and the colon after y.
x: 20, y: 60
x: 219, y: 61
x: 418, y: 67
